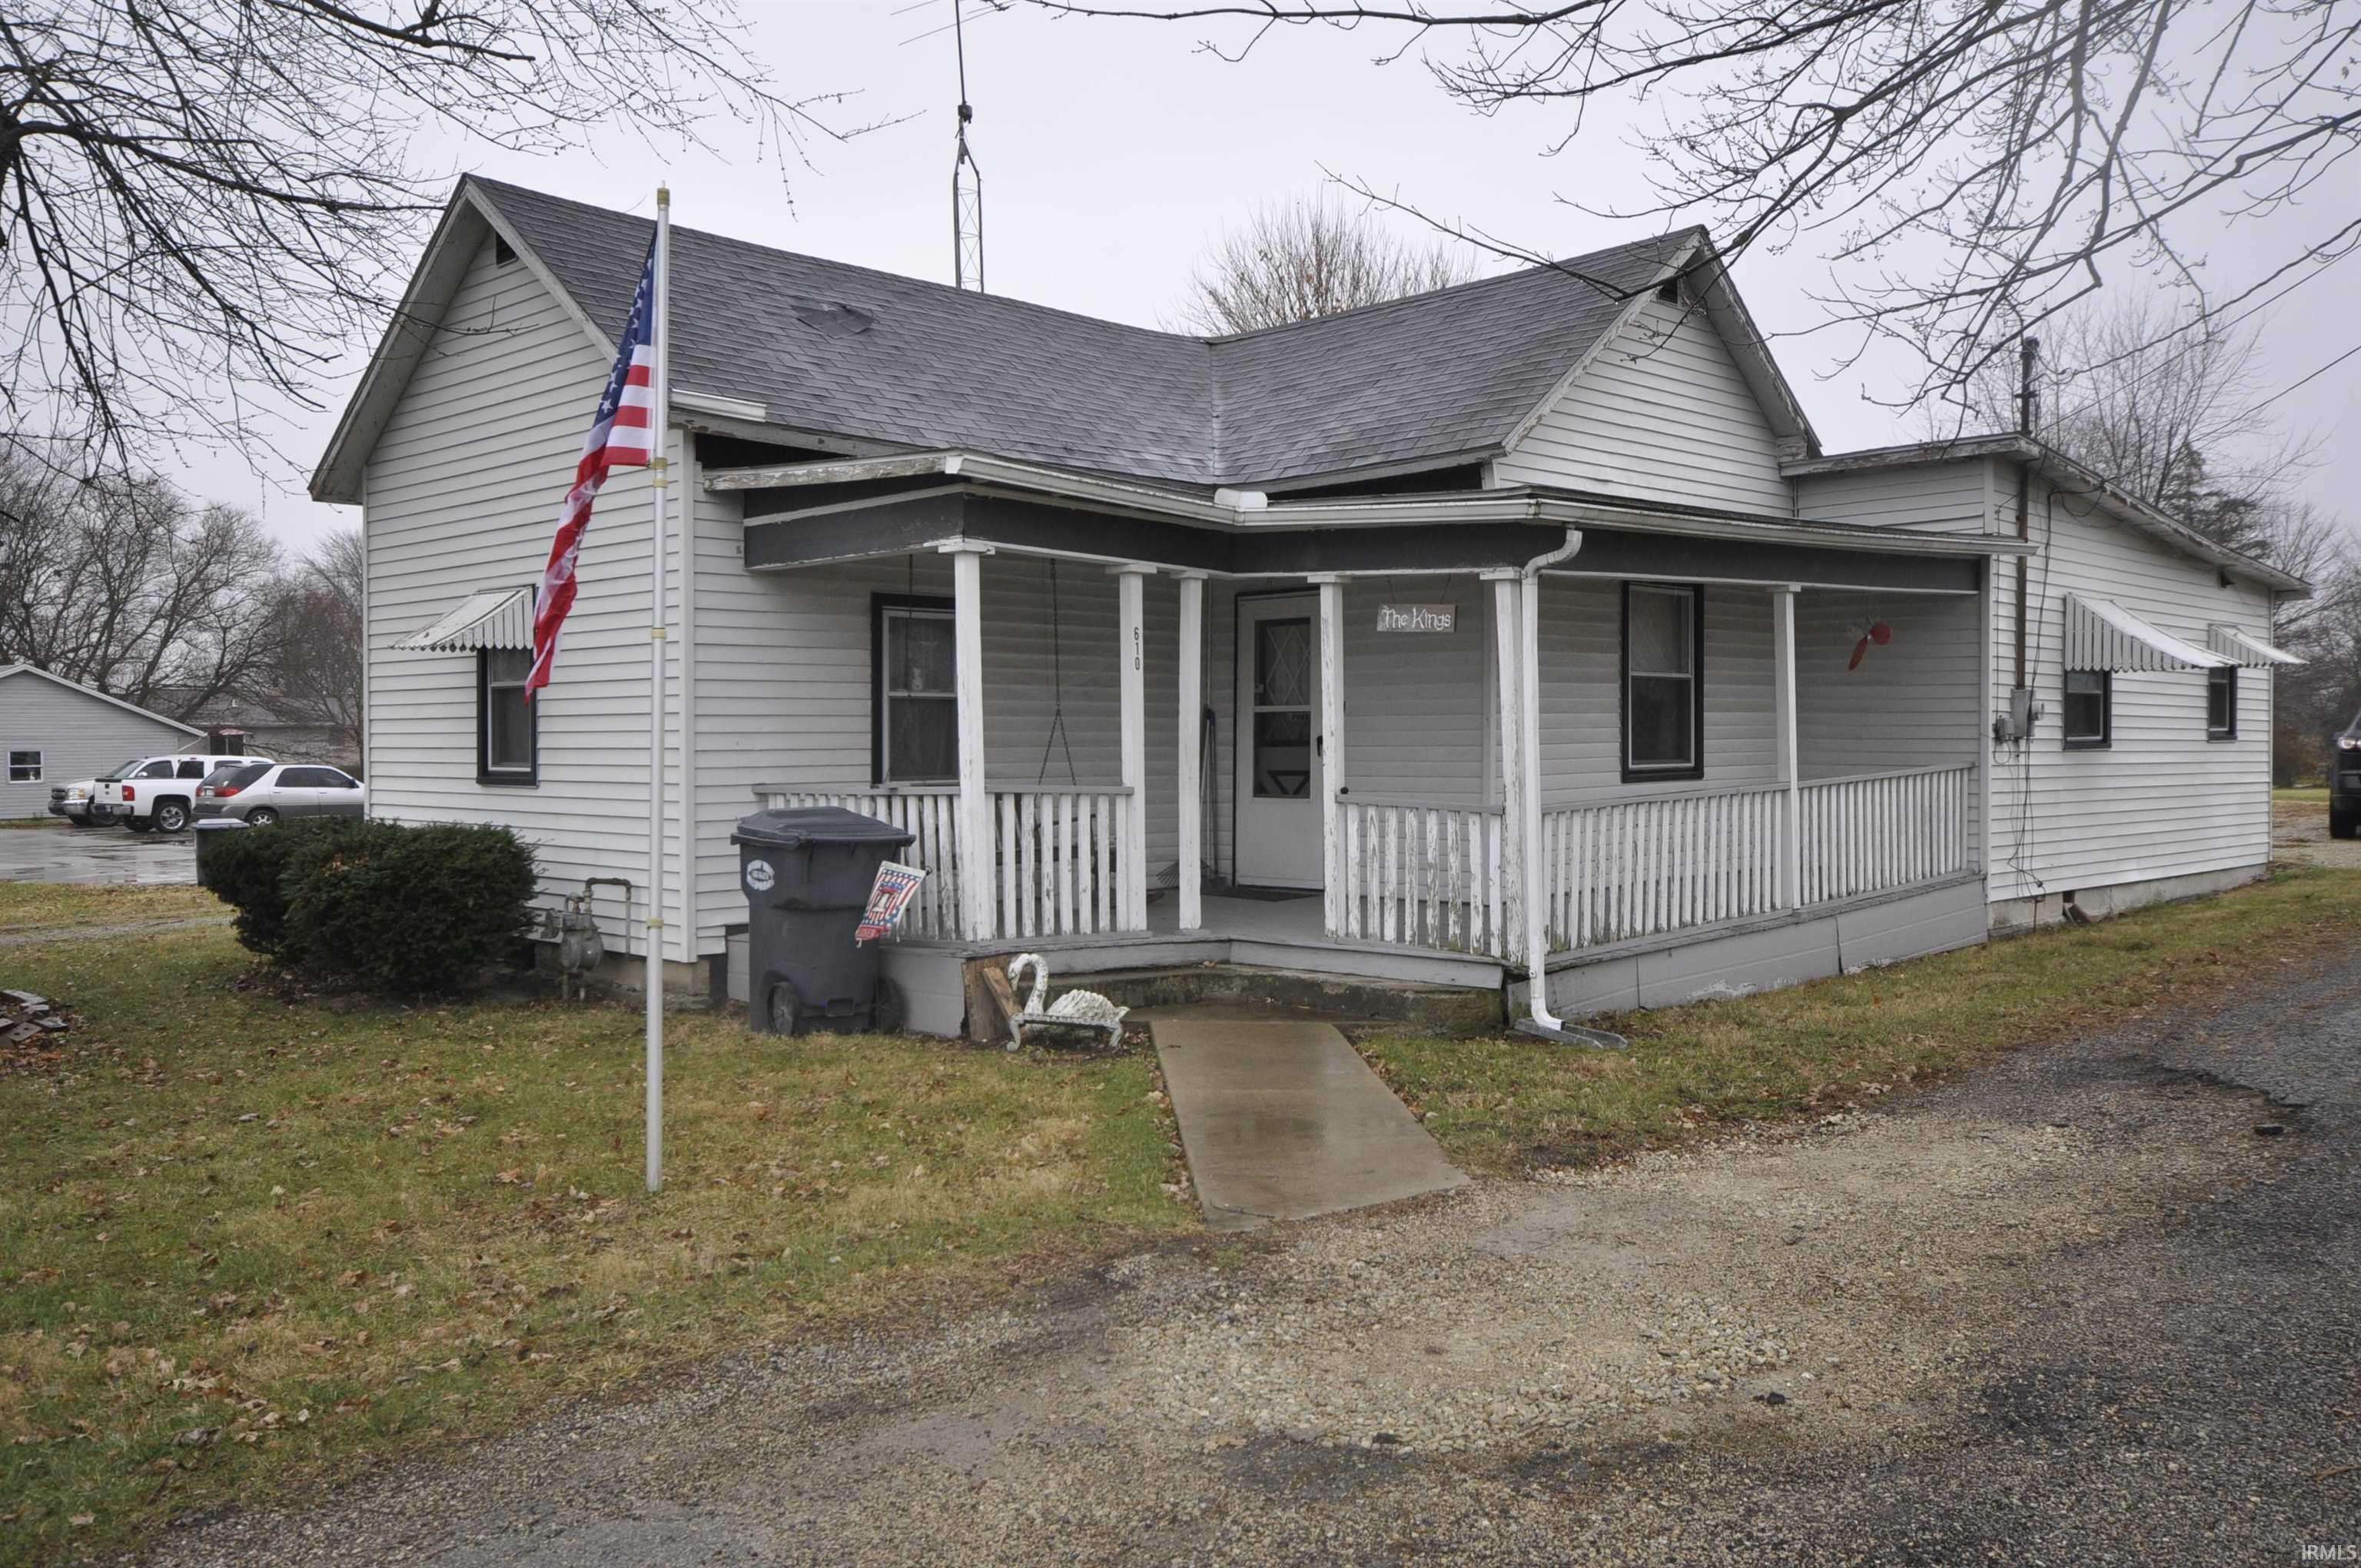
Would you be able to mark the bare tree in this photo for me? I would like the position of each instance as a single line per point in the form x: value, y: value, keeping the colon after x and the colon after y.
x: 1305, y: 258
x: 319, y: 677
x: 1974, y: 168
x: 2166, y: 404
x: 198, y: 196
x: 129, y: 587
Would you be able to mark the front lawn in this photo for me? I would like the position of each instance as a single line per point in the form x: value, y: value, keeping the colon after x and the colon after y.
x: 39, y: 905
x: 253, y: 1240
x: 1509, y: 1104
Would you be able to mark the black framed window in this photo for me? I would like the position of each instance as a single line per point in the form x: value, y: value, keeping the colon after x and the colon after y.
x: 2090, y: 708
x: 508, y: 744
x: 2222, y: 704
x: 914, y: 708
x: 1664, y: 681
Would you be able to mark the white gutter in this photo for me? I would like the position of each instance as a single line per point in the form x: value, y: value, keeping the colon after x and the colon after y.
x: 1251, y: 509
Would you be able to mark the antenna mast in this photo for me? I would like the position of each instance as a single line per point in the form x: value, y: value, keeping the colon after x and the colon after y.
x: 967, y: 181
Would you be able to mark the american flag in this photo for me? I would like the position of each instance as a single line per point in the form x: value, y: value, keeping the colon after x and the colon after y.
x: 620, y: 437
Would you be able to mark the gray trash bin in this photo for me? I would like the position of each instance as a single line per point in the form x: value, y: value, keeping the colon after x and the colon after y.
x: 806, y: 873
x: 209, y: 832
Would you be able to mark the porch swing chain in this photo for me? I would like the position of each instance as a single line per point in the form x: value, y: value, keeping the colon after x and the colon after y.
x: 1058, y: 732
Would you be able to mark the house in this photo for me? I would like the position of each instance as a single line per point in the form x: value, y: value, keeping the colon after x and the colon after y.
x: 58, y: 731
x: 1517, y: 629
x: 274, y: 726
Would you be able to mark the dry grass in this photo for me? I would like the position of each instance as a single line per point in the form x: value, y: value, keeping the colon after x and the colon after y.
x: 41, y: 905
x: 1508, y: 1105
x: 252, y: 1243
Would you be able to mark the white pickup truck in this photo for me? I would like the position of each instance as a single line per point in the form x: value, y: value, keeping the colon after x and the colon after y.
x: 156, y: 792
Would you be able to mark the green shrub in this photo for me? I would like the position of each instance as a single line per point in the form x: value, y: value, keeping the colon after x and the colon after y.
x: 406, y: 910
x: 247, y: 871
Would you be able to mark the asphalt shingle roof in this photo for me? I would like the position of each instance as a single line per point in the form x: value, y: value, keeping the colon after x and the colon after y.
x: 1428, y: 376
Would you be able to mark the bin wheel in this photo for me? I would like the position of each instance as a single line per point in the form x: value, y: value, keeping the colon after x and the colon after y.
x: 787, y: 1009
x: 886, y: 1012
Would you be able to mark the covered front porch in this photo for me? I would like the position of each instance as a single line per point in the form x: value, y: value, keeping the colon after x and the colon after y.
x: 1452, y: 740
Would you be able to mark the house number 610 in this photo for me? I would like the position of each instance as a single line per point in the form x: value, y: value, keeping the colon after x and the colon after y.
x: 1135, y: 647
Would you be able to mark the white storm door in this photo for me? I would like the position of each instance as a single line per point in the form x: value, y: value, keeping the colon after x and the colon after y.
x: 1277, y: 747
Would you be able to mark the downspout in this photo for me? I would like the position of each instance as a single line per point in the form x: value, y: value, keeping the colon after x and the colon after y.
x: 1539, y: 1020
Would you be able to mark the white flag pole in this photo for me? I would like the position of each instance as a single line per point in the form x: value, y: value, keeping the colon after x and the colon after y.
x: 660, y: 475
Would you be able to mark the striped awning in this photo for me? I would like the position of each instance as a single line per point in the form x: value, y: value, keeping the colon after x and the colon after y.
x: 496, y: 618
x: 2252, y: 652
x: 2103, y: 635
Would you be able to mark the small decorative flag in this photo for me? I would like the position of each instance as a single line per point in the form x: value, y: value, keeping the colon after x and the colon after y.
x: 620, y: 437
x: 889, y: 895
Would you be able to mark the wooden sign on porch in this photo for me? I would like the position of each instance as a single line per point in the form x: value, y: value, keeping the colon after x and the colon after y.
x: 1425, y: 617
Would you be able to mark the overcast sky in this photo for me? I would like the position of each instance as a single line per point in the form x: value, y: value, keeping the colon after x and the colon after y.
x: 1113, y: 151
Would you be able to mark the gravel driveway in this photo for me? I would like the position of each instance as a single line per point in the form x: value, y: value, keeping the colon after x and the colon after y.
x: 2299, y: 832
x: 2075, y: 1309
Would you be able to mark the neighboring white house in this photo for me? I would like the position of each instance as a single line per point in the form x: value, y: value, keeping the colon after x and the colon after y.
x: 58, y: 731
x: 1512, y: 627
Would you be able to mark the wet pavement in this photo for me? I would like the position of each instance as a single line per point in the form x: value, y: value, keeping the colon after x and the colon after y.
x: 59, y: 852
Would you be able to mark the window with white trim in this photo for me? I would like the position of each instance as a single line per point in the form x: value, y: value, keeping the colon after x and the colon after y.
x: 913, y: 720
x: 24, y: 767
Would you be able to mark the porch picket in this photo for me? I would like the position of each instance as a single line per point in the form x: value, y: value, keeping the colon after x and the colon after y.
x: 1054, y: 851
x: 1640, y: 868
x: 1875, y: 834
x: 1421, y: 875
x: 930, y: 815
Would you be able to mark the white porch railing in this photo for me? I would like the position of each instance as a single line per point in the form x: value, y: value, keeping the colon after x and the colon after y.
x: 1638, y: 867
x: 1055, y: 852
x: 1884, y: 831
x: 1427, y: 876
x: 1432, y: 876
x: 1059, y: 851
x: 929, y: 812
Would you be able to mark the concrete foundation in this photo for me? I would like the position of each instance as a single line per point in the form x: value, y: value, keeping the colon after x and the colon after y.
x: 1763, y: 955
x: 2013, y: 915
x: 686, y: 987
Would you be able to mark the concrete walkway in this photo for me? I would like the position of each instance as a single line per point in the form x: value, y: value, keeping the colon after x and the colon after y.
x: 1283, y: 1120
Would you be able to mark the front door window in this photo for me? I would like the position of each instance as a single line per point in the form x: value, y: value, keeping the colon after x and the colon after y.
x: 1282, y: 718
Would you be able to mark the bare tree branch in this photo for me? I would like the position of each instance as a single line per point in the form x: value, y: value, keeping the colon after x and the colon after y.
x: 1973, y: 167
x: 1306, y: 259
x: 201, y: 201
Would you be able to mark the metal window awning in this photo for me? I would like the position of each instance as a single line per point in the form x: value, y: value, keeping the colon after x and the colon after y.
x: 2103, y: 635
x: 500, y: 618
x: 2242, y: 649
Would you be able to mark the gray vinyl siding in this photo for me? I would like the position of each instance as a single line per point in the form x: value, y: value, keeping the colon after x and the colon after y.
x: 1582, y: 725
x: 79, y: 737
x: 463, y: 493
x: 2163, y: 801
x: 784, y: 692
x: 1947, y: 497
x: 1660, y: 412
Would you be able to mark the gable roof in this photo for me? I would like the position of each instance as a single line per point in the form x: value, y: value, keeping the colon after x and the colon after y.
x: 24, y: 669
x: 883, y: 362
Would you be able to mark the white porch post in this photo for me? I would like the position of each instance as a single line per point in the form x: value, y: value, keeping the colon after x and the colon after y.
x: 1131, y: 882
x: 1783, y: 684
x: 973, y: 831
x: 1508, y: 650
x: 1189, y: 775
x: 1331, y: 742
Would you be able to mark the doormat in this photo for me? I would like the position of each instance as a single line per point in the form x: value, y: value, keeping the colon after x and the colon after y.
x: 1266, y: 895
